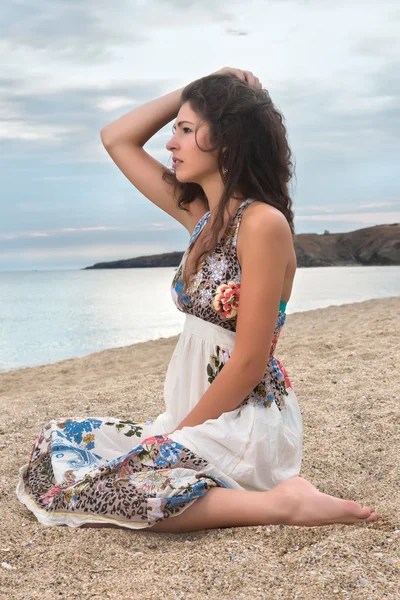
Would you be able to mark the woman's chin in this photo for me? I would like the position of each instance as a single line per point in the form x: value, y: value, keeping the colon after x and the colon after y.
x: 181, y: 178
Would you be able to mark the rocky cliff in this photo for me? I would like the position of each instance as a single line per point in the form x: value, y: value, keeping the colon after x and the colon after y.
x: 378, y: 245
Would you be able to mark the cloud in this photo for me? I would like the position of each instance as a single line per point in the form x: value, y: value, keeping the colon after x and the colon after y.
x: 375, y: 218
x: 146, y: 228
x: 67, y: 30
x: 70, y: 67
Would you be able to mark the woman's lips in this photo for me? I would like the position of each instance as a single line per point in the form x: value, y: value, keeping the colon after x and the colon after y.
x: 175, y: 164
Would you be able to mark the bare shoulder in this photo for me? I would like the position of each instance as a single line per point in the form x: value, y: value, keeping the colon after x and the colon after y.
x: 259, y: 214
x: 260, y: 221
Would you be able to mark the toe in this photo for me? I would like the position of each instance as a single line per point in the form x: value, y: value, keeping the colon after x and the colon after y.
x: 365, y: 512
x: 373, y: 517
x: 368, y: 515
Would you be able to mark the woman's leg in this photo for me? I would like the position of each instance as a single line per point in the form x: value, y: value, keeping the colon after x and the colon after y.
x: 292, y: 502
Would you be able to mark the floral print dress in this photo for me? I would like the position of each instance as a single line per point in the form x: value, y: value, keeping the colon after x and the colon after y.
x: 129, y: 472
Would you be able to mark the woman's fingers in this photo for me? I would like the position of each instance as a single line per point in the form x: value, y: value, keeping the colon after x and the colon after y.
x: 230, y: 71
x: 239, y: 73
x: 246, y: 76
x: 252, y: 80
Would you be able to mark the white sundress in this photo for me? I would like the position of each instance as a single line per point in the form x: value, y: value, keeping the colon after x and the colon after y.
x: 128, y: 472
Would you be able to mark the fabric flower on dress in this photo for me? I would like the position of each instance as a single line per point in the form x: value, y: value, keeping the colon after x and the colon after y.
x: 69, y: 477
x: 48, y: 496
x: 284, y: 373
x: 125, y: 469
x: 170, y: 453
x: 73, y: 429
x: 135, y: 429
x: 217, y: 362
x: 226, y: 300
x: 151, y: 482
x: 224, y: 354
x: 88, y: 439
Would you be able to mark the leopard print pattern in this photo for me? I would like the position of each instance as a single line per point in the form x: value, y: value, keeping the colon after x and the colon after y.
x: 203, y: 297
x: 116, y: 490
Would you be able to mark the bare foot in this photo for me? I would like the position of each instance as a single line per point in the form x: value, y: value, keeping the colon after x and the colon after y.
x: 303, y: 504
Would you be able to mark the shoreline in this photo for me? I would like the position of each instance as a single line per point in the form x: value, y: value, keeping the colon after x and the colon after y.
x: 342, y: 362
x: 176, y: 268
x: 175, y: 337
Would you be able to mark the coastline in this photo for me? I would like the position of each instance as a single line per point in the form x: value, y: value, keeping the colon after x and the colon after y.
x: 342, y: 363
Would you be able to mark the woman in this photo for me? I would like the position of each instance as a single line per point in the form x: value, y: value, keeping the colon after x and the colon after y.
x: 227, y: 449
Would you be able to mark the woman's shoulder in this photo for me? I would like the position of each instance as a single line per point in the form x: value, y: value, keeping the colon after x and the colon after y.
x: 260, y: 216
x: 261, y: 219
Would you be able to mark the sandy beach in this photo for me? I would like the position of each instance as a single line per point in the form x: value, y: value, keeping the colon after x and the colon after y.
x: 342, y: 362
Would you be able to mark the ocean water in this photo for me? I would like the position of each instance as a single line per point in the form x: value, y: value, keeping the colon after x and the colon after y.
x: 48, y: 316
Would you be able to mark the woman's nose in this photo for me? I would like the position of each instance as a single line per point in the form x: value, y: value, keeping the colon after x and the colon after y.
x: 171, y: 144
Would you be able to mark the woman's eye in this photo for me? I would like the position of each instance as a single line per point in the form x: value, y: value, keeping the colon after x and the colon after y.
x: 183, y: 129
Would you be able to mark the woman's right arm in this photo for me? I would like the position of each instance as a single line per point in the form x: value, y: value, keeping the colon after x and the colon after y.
x: 124, y: 140
x: 141, y: 123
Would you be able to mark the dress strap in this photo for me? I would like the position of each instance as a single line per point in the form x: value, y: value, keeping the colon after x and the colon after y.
x: 199, y: 226
x: 238, y: 218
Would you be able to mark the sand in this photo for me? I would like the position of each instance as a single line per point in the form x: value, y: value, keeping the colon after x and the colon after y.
x: 342, y: 361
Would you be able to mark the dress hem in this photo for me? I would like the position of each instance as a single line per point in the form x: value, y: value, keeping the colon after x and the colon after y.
x: 55, y: 519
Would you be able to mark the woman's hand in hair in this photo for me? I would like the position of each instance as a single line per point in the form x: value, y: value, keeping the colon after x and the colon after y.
x: 247, y: 76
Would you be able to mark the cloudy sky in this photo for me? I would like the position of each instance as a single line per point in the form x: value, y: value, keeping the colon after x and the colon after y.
x: 69, y: 67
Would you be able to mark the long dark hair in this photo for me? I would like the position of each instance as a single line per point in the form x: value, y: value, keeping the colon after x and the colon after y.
x: 257, y: 156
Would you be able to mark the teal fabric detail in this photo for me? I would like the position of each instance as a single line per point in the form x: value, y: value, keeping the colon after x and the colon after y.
x: 282, y: 306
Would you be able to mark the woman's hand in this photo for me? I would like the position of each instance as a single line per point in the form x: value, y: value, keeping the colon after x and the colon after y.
x: 243, y: 75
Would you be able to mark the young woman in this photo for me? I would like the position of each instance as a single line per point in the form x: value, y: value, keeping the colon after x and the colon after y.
x: 227, y: 449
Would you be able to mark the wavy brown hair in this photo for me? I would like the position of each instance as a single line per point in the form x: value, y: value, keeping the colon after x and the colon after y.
x: 246, y: 124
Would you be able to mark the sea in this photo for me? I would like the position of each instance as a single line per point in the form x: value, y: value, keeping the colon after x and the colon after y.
x: 49, y: 316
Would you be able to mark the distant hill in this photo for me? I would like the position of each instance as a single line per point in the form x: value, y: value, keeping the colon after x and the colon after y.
x: 378, y: 245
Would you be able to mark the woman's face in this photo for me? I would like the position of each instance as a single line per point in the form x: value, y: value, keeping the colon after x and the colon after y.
x: 196, y: 166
